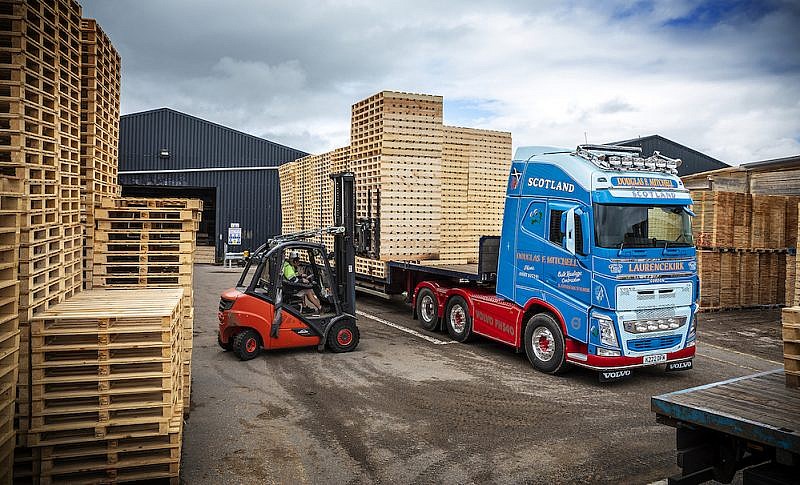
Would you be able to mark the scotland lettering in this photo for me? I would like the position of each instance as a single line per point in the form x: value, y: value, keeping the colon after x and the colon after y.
x: 550, y: 184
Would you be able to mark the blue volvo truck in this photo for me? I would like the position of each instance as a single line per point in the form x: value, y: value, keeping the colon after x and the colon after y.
x: 595, y: 267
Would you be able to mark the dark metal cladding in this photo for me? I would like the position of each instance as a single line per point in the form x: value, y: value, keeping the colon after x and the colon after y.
x: 693, y: 161
x: 167, y: 153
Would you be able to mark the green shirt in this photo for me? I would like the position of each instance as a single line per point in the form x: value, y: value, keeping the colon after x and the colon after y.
x: 288, y: 270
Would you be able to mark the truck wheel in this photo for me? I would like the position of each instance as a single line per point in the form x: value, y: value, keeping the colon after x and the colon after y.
x: 246, y: 344
x: 544, y: 344
x: 227, y: 347
x: 343, y: 336
x: 427, y: 309
x: 458, y: 319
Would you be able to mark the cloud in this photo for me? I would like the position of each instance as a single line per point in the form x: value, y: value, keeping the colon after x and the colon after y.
x: 725, y: 81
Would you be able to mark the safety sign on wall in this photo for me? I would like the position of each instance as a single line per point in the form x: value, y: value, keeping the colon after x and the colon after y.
x: 234, y: 234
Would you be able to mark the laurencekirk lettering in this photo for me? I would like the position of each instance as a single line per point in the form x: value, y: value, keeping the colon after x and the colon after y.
x: 663, y: 266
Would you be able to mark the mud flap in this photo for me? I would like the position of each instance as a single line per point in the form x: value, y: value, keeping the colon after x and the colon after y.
x: 614, y: 375
x: 679, y: 366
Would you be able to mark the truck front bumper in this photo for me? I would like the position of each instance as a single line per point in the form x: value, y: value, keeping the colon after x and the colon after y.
x: 596, y: 362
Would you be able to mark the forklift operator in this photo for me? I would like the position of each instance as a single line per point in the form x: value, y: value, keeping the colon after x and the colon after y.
x: 290, y: 274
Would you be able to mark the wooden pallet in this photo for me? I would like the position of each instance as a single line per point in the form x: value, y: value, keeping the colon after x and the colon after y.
x: 105, y: 461
x: 106, y: 362
x: 791, y: 345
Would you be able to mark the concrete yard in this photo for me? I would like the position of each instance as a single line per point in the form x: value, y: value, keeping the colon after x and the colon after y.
x: 406, y: 409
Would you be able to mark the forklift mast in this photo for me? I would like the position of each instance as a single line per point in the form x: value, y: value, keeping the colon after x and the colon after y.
x: 344, y: 213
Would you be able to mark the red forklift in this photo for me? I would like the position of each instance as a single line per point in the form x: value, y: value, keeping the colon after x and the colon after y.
x: 268, y: 311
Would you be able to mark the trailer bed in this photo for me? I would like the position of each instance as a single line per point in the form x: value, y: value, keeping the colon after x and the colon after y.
x: 467, y: 272
x: 757, y: 408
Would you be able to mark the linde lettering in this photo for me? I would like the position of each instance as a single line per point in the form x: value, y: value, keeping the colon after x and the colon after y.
x: 664, y: 266
x: 550, y: 184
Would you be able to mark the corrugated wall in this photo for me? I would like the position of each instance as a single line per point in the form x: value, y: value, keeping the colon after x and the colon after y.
x: 249, y: 197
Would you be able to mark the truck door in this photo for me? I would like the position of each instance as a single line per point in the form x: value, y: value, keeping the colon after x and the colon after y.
x: 528, y: 257
x: 566, y: 276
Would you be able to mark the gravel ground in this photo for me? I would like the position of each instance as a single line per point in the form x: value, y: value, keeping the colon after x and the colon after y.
x: 401, y: 409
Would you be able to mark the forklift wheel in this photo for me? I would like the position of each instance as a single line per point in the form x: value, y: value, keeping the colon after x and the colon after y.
x: 246, y: 344
x: 343, y: 336
x: 227, y: 347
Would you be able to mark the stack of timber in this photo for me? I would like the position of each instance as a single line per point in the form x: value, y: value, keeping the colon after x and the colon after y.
x: 791, y: 345
x: 150, y: 243
x: 746, y: 249
x: 100, y: 108
x: 11, y: 190
x: 434, y: 189
x: 106, y: 387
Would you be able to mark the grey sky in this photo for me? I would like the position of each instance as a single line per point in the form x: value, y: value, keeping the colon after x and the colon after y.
x: 722, y: 77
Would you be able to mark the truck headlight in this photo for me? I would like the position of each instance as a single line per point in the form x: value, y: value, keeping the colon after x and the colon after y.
x: 607, y: 334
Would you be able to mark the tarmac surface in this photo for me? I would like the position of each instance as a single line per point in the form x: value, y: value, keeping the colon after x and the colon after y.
x: 410, y: 406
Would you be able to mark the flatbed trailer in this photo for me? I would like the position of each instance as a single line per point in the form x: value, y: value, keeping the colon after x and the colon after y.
x: 403, y: 276
x: 726, y: 426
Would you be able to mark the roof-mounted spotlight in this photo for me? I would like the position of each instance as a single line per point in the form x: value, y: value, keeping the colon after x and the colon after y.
x: 163, y: 153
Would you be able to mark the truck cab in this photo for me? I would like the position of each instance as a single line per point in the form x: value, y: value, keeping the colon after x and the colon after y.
x: 602, y: 237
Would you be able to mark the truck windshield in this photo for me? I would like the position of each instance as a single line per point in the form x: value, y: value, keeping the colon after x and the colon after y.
x: 641, y: 226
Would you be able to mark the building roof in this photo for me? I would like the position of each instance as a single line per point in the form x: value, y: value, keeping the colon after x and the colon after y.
x: 189, y: 142
x: 693, y: 160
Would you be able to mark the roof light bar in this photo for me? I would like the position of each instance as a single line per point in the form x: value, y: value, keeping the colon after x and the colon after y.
x: 614, y: 157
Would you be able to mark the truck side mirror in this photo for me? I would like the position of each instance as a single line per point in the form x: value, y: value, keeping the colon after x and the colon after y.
x: 569, y: 233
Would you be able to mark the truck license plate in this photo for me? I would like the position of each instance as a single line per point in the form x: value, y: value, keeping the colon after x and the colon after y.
x: 655, y: 359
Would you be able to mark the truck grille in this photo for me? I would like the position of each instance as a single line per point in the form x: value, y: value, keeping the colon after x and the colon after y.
x: 655, y: 343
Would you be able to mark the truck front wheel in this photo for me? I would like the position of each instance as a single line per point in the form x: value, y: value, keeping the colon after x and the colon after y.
x: 458, y: 320
x: 427, y: 309
x: 544, y: 344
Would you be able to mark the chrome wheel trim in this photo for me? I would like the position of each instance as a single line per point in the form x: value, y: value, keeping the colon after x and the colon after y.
x: 427, y: 308
x: 458, y: 319
x: 543, y: 344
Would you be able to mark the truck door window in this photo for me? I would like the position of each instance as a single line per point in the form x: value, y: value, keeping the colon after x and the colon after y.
x: 533, y: 221
x: 557, y: 237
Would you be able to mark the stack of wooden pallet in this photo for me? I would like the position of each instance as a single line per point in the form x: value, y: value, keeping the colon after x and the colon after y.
x: 100, y: 107
x: 791, y: 346
x: 475, y: 167
x: 106, y: 387
x: 747, y: 244
x: 40, y: 87
x: 435, y: 189
x: 11, y: 191
x: 147, y: 243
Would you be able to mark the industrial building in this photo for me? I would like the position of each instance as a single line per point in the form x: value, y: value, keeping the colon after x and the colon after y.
x: 166, y: 153
x: 693, y: 161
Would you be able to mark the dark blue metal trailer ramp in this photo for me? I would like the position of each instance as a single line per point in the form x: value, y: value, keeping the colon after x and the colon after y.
x: 730, y: 425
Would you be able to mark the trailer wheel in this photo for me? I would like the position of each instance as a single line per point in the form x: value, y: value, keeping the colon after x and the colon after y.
x: 246, y: 344
x: 427, y: 310
x: 458, y: 319
x: 544, y: 344
x: 343, y: 336
x: 227, y: 347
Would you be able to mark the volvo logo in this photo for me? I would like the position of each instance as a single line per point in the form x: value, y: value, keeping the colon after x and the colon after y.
x: 685, y: 365
x: 606, y: 376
